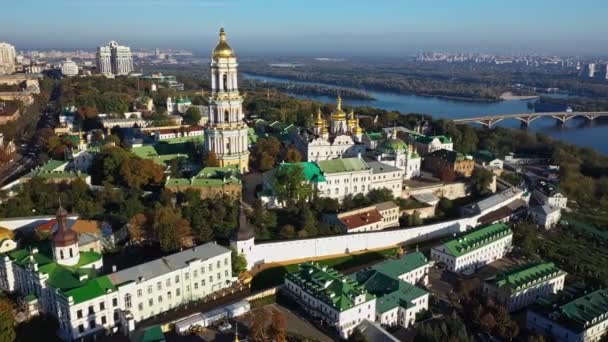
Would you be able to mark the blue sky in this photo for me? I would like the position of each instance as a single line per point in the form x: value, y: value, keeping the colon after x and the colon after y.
x: 333, y: 27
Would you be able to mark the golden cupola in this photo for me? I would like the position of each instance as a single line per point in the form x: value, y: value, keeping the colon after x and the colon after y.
x: 351, y: 121
x: 358, y: 129
x: 339, y: 113
x: 223, y: 50
x: 319, y: 119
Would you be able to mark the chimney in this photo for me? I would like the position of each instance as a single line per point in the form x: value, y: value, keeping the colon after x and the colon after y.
x: 359, y: 155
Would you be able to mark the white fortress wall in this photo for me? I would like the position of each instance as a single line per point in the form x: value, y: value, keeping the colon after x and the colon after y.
x: 324, y: 246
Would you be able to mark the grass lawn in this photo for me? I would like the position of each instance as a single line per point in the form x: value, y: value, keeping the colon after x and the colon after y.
x: 274, y: 276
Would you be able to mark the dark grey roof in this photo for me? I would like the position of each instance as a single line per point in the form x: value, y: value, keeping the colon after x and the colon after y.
x: 374, y: 332
x: 168, y: 263
x: 380, y: 167
x: 545, y: 209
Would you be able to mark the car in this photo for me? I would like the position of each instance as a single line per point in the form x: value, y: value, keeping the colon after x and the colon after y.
x: 224, y: 327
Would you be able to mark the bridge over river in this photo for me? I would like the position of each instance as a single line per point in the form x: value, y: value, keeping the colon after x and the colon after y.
x: 527, y: 118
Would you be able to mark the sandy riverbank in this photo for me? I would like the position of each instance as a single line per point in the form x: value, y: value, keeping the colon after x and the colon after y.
x: 509, y: 96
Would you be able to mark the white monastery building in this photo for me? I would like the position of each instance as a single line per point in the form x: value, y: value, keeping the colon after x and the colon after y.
x: 523, y: 285
x: 471, y: 250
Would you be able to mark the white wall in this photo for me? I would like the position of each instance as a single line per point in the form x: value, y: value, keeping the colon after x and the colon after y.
x: 339, y: 244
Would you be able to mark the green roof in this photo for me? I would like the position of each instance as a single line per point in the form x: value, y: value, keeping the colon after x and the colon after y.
x: 312, y: 172
x: 427, y: 139
x: 575, y: 308
x: 67, y: 279
x: 484, y: 155
x: 153, y: 334
x: 91, y: 289
x: 209, y: 177
x: 373, y: 136
x: 166, y: 150
x: 522, y: 277
x: 450, y: 156
x: 393, y: 145
x: 52, y: 164
x: 477, y: 238
x: 390, y: 292
x: 406, y: 263
x: 342, y: 165
x: 326, y: 284
x: 183, y: 101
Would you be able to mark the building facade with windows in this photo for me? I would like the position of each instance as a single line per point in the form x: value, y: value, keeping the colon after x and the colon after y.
x: 473, y: 249
x: 8, y: 57
x: 523, y: 285
x: 576, y: 314
x: 337, y: 300
x: 69, y: 68
x: 547, y: 193
x: 114, y: 59
x: 66, y: 281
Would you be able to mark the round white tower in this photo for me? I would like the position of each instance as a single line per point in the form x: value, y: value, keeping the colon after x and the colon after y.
x: 226, y: 134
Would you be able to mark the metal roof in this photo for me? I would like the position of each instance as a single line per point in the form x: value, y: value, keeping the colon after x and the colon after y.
x: 168, y: 263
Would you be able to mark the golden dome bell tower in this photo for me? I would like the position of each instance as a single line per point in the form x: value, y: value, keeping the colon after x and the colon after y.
x: 226, y: 134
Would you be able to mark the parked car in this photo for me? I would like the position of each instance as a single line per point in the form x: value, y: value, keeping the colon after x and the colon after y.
x: 224, y: 327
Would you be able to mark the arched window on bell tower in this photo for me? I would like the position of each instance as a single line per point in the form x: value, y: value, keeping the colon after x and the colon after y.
x: 226, y: 116
x: 225, y: 83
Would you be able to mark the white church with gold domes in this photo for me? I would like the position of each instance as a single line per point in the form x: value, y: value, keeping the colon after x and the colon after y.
x: 226, y: 134
x: 341, y: 138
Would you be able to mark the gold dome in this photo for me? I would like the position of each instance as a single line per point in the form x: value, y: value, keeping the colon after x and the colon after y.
x: 351, y: 121
x: 358, y: 129
x: 338, y: 114
x: 319, y: 119
x: 223, y: 50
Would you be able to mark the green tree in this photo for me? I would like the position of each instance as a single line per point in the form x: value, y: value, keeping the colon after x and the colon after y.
x: 212, y: 159
x: 239, y: 263
x: 481, y: 179
x: 169, y: 228
x: 288, y: 231
x: 293, y: 155
x: 192, y: 116
x: 266, y: 153
x: 290, y: 185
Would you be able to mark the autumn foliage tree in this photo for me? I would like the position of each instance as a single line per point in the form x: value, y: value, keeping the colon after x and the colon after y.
x: 266, y: 153
x: 212, y: 160
x: 7, y: 322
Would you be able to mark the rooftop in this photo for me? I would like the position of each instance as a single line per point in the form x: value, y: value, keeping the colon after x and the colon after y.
x: 66, y: 279
x: 398, y: 267
x: 447, y: 155
x: 380, y: 167
x: 312, y: 172
x: 484, y: 156
x: 208, y: 177
x: 427, y: 139
x: 361, y: 219
x: 547, y: 188
x: 477, y: 238
x: 390, y: 292
x: 343, y: 165
x: 522, y: 277
x: 575, y: 308
x: 167, y: 264
x: 386, y: 206
x: 326, y: 284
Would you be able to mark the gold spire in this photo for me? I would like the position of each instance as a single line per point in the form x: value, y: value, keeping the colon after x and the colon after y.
x: 319, y: 119
x: 351, y: 121
x: 358, y: 129
x: 223, y: 50
x: 338, y: 114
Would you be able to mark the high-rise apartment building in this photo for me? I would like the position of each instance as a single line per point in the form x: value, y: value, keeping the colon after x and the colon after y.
x: 114, y: 59
x: 7, y: 58
x: 591, y: 70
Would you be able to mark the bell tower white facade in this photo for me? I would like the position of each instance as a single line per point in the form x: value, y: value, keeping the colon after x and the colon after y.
x: 226, y: 134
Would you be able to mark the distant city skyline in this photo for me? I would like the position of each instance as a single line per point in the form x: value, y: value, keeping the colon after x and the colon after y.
x: 337, y: 27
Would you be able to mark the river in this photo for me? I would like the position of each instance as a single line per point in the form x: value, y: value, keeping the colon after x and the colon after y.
x: 576, y: 131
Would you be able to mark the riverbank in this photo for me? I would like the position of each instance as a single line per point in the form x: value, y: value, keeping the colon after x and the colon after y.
x: 508, y: 96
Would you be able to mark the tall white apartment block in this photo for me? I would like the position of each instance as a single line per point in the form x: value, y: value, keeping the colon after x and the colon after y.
x: 114, y: 59
x: 7, y: 58
x: 69, y: 68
